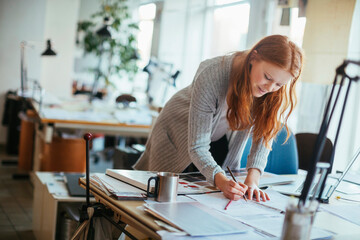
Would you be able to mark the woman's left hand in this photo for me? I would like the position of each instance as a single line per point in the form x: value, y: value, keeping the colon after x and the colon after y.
x: 254, y: 191
x: 252, y: 181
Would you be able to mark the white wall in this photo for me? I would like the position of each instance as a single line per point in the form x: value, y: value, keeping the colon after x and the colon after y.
x: 60, y: 25
x: 35, y: 21
x: 19, y: 20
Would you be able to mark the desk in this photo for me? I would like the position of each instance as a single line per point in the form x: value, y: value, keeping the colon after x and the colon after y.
x: 128, y: 212
x: 106, y: 120
x: 46, y: 204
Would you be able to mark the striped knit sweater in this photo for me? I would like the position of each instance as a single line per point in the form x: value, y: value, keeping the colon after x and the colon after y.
x: 182, y: 132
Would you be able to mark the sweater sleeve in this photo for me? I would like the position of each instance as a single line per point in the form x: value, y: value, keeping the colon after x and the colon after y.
x: 201, y: 113
x: 258, y: 156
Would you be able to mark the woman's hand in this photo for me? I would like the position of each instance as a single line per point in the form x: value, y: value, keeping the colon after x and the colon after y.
x: 252, y: 181
x: 230, y: 189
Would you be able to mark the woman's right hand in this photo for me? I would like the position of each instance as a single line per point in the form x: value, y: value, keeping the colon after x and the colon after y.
x: 230, y: 189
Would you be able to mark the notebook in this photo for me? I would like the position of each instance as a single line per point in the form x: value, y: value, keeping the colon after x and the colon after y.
x: 331, y: 184
x: 72, y: 184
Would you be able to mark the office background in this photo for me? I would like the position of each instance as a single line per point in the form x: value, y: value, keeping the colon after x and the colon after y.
x: 183, y: 33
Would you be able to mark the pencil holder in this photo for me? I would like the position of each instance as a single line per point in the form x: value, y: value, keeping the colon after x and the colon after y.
x: 298, y: 222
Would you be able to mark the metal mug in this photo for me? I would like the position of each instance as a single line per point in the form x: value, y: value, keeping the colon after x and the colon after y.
x: 166, y: 187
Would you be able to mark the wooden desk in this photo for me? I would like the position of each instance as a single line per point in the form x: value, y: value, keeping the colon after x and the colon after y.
x: 78, y: 120
x: 129, y: 212
x: 46, y: 204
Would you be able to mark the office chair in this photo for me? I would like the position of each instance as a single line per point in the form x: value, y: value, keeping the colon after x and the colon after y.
x: 283, y: 159
x: 305, y: 145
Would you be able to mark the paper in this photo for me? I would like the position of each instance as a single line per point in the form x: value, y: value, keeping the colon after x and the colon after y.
x: 57, y: 188
x: 352, y: 177
x: 116, y: 188
x: 188, y: 183
x: 348, y: 188
x: 218, y: 201
x: 273, y: 224
x: 180, y: 198
x: 350, y: 212
x: 267, y: 179
x: 265, y: 217
x: 88, y: 116
x: 134, y: 116
x: 196, y: 219
x: 249, y: 235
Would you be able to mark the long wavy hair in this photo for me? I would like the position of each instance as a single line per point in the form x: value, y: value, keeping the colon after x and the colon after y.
x: 268, y: 113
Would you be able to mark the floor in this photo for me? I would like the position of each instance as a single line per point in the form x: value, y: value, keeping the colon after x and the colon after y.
x: 16, y: 197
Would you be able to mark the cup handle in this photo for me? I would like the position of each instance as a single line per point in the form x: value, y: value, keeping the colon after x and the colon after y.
x: 148, y: 193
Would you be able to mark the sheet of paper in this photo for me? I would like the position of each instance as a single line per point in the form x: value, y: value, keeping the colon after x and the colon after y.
x: 57, y: 188
x: 348, y: 188
x: 267, y: 179
x: 261, y: 216
x: 353, y: 177
x: 178, y: 199
x: 219, y: 201
x: 350, y: 212
x: 62, y: 114
x: 249, y: 235
x: 196, y: 219
x: 273, y: 225
x: 134, y: 116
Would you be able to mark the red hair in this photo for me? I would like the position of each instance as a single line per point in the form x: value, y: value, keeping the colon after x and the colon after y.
x: 265, y: 114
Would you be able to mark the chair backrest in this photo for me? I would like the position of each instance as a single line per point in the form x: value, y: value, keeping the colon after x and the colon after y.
x: 283, y: 159
x: 305, y: 145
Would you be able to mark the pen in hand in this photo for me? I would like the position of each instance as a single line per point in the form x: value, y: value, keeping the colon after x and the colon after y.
x: 233, y: 177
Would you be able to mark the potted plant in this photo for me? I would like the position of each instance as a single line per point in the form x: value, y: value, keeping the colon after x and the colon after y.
x: 114, y: 43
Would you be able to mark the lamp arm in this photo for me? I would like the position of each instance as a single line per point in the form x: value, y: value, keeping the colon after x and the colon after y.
x: 320, y: 140
x: 22, y: 67
x: 337, y: 134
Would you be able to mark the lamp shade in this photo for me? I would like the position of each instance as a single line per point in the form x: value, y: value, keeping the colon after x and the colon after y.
x: 48, y: 51
x: 104, y: 32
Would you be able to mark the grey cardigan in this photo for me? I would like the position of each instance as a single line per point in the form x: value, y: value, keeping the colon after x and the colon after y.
x: 182, y: 132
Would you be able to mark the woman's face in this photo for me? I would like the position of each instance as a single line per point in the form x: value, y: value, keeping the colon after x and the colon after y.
x: 266, y: 77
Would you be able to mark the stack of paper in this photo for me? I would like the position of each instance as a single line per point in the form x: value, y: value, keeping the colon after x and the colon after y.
x: 115, y: 188
x: 188, y: 183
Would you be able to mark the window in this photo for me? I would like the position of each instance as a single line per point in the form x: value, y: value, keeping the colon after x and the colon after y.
x: 227, y: 29
x: 147, y: 15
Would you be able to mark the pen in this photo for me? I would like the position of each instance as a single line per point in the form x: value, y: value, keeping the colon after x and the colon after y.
x: 233, y: 177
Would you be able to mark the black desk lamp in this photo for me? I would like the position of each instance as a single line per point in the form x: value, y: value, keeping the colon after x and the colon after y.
x: 103, y: 33
x: 48, y: 51
x: 23, y: 67
x: 320, y: 141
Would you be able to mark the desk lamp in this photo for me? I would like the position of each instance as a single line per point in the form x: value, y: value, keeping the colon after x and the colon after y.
x: 320, y: 140
x: 23, y: 67
x: 103, y: 33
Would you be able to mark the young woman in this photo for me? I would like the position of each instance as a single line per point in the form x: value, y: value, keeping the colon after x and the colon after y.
x: 230, y: 98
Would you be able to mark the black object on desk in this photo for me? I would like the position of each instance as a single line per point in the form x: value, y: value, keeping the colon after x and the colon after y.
x: 328, y: 114
x: 72, y: 184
